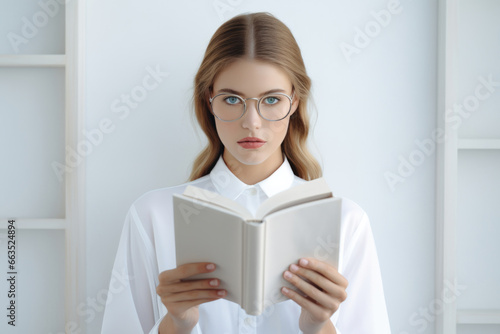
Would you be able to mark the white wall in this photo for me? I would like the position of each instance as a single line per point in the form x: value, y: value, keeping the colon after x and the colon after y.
x: 371, y: 110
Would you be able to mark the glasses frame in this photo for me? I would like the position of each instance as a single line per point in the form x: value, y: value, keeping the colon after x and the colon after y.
x: 258, y: 105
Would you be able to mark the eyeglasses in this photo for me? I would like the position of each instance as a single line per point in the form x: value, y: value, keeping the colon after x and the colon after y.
x: 230, y: 107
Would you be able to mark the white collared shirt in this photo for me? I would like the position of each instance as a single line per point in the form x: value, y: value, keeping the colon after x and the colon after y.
x: 147, y: 247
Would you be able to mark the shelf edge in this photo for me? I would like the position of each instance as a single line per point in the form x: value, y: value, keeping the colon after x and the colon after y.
x: 32, y: 60
x: 35, y: 224
x: 479, y: 144
x: 478, y: 317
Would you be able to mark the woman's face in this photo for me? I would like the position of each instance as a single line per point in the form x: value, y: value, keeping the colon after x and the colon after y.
x: 250, y: 78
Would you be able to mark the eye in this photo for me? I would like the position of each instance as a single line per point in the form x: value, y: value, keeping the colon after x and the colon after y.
x: 271, y: 100
x: 232, y: 100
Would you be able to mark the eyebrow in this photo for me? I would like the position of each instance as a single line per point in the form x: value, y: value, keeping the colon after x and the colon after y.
x: 232, y: 91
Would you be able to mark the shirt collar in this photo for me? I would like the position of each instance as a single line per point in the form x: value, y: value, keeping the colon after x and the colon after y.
x: 228, y: 185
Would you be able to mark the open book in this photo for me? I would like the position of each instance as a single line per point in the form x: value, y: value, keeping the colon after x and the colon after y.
x: 251, y: 253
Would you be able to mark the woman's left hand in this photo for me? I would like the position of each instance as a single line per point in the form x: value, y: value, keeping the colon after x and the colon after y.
x: 323, y: 290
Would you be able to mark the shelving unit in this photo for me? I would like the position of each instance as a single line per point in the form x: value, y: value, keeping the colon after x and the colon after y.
x: 454, y: 67
x: 72, y: 221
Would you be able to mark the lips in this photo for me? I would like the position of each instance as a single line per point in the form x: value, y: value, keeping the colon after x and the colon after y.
x: 251, y: 142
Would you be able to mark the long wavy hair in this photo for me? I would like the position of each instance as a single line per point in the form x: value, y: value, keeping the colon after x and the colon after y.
x: 262, y: 37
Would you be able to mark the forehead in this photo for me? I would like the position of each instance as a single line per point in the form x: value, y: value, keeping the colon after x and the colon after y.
x: 252, y: 77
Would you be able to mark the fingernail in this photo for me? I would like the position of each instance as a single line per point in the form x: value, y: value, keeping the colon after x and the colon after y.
x: 288, y: 274
x: 294, y: 268
x: 213, y: 282
x: 285, y: 290
x: 303, y: 262
x: 221, y: 292
x: 210, y: 266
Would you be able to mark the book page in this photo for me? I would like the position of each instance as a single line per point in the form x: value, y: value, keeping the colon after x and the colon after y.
x: 305, y: 192
x: 308, y: 230
x: 216, y: 199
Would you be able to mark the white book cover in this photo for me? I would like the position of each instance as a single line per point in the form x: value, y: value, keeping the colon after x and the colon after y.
x: 251, y: 253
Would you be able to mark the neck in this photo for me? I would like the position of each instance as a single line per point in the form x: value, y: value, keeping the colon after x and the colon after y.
x: 252, y: 174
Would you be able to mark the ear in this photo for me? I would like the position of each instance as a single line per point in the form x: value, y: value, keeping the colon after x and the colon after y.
x: 208, y: 94
x: 295, y: 104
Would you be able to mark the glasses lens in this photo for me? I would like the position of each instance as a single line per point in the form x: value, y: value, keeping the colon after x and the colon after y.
x: 228, y: 107
x: 274, y: 107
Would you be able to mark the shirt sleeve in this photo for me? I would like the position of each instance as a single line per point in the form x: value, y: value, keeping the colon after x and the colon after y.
x: 364, y: 311
x: 132, y: 305
x: 154, y: 330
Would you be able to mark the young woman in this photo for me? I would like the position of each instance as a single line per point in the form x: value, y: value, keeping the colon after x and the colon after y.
x: 251, y: 94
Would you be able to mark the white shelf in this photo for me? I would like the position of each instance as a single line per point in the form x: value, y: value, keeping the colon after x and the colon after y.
x: 479, y: 144
x: 32, y: 60
x: 484, y: 317
x: 36, y: 224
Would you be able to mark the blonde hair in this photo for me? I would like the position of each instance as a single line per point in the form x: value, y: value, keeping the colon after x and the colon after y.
x: 262, y: 37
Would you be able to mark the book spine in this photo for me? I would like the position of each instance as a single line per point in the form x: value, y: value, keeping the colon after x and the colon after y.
x: 253, y: 267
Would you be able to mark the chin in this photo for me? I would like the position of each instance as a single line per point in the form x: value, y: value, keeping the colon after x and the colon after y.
x: 251, y: 158
x: 250, y: 161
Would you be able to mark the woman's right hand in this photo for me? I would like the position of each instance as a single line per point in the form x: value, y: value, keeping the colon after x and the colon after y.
x: 181, y: 298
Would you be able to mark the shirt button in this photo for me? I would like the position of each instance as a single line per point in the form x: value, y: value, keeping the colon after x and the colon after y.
x: 249, y: 321
x: 252, y: 191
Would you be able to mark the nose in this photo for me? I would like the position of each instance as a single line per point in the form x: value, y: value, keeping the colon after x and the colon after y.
x: 252, y: 119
